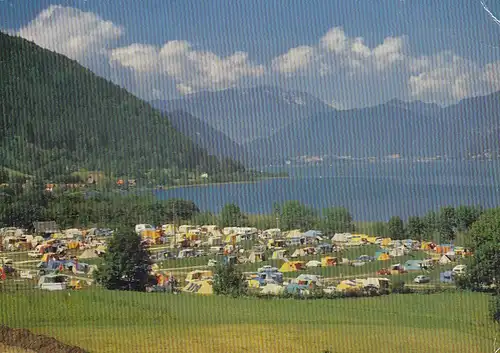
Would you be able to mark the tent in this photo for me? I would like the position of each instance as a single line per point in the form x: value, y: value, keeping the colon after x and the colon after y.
x: 299, y: 253
x: 348, y: 285
x: 446, y: 277
x: 413, y: 265
x: 382, y: 255
x: 399, y: 251
x: 89, y: 254
x: 313, y: 263
x: 273, y: 289
x: 328, y: 261
x: 279, y: 254
x: 203, y: 287
x: 445, y: 259
x: 214, y: 240
x: 341, y: 238
x: 292, y: 266
x: 386, y: 241
x: 256, y: 256
x: 294, y: 233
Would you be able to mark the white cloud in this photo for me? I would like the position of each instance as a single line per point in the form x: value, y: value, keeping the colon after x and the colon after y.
x: 447, y: 78
x: 72, y: 32
x: 294, y: 60
x: 191, y: 69
x: 347, y: 66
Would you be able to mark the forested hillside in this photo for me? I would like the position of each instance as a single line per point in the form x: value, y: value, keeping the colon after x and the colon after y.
x: 57, y: 117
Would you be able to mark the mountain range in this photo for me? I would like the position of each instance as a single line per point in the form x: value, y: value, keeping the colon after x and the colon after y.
x: 247, y: 114
x: 312, y: 128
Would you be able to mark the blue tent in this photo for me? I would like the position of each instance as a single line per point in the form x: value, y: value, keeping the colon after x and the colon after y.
x: 413, y: 265
x: 446, y: 277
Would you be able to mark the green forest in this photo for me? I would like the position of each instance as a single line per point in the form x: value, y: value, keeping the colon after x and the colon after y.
x: 56, y: 117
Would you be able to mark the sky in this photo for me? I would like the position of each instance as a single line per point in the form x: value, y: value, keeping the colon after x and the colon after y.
x: 350, y: 54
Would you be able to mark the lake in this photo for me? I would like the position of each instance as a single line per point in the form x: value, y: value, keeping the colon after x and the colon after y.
x: 371, y: 191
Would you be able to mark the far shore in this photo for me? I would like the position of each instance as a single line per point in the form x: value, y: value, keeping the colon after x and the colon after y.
x: 221, y: 183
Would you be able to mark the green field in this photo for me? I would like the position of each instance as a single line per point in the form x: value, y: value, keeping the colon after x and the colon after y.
x: 104, y: 321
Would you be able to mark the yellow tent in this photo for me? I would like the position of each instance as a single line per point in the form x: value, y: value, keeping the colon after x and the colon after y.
x: 292, y: 266
x: 198, y: 275
x: 192, y: 236
x: 47, y: 256
x: 383, y: 257
x: 386, y: 241
x: 294, y: 233
x: 253, y: 283
x: 150, y: 233
x: 57, y: 236
x: 347, y: 285
x: 371, y: 240
x: 328, y: 261
x: 73, y: 245
x: 425, y: 245
x: 203, y: 287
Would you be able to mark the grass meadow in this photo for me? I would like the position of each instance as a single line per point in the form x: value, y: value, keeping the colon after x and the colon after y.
x: 107, y: 321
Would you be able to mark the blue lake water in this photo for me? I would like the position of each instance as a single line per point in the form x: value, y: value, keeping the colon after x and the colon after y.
x: 371, y: 191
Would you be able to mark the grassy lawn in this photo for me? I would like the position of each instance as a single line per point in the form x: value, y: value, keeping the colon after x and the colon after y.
x: 104, y: 321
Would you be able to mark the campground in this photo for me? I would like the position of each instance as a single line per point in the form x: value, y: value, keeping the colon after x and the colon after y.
x: 107, y: 321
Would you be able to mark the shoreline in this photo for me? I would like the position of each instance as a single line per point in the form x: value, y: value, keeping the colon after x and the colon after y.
x: 219, y: 183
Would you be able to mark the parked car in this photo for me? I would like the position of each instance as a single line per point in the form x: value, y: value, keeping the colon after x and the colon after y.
x: 422, y: 279
x: 459, y: 269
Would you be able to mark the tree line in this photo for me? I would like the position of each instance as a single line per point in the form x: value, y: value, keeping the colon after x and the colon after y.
x: 23, y: 204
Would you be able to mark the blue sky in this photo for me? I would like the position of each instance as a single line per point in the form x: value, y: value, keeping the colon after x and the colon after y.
x: 439, y: 51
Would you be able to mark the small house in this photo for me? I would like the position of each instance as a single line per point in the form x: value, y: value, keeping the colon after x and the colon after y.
x: 46, y: 229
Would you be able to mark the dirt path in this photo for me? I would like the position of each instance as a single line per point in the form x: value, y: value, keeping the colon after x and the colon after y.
x: 8, y: 349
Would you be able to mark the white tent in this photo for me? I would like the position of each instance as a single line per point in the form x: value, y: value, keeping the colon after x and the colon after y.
x: 341, y: 238
x: 273, y: 289
x: 313, y: 263
x: 88, y: 254
x: 399, y: 251
x: 299, y: 253
x: 444, y: 260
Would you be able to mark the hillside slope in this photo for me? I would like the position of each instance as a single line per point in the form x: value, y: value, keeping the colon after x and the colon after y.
x: 247, y: 114
x: 56, y: 116
x: 213, y: 141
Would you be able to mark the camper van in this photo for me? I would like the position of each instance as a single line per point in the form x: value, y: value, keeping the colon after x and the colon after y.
x: 140, y: 227
x: 53, y: 282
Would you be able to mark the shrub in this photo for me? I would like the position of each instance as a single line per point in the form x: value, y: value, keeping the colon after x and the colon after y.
x: 399, y: 287
x: 228, y: 280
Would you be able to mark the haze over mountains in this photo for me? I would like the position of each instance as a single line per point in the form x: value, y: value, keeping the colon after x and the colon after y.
x: 247, y: 114
x: 270, y: 125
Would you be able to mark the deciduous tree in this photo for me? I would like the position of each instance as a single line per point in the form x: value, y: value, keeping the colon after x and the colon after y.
x: 126, y: 263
